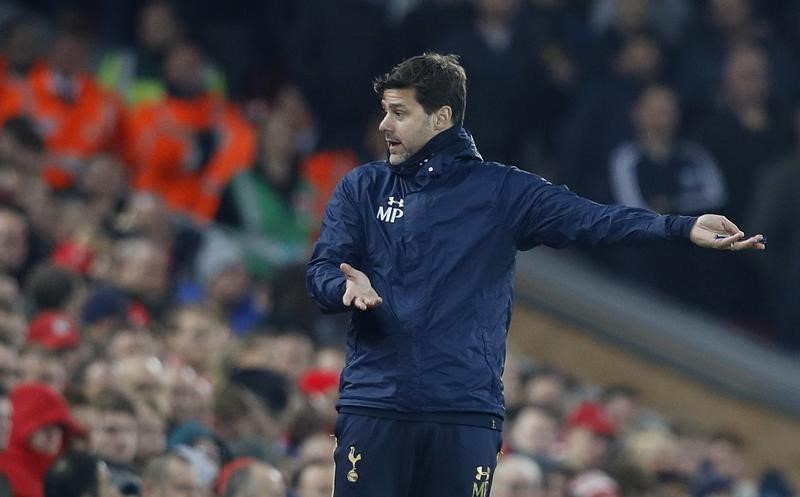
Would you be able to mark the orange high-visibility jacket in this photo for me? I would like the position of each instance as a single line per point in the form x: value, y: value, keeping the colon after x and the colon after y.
x: 72, y: 130
x: 77, y: 129
x: 162, y: 148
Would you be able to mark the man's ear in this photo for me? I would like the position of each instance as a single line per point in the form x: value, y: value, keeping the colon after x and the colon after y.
x: 442, y: 118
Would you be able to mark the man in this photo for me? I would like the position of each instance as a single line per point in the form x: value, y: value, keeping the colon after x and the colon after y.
x: 424, y: 247
x: 315, y: 478
x: 114, y: 437
x: 245, y: 477
x: 170, y: 475
x: 517, y: 476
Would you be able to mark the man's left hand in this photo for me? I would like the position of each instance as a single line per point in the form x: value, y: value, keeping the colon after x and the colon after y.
x: 718, y: 232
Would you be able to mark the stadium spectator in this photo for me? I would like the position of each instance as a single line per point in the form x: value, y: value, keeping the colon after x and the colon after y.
x: 776, y: 207
x: 517, y: 476
x: 151, y: 434
x: 505, y: 77
x: 245, y: 477
x: 170, y: 475
x: 719, y: 26
x: 587, y: 438
x: 331, y: 46
x: 114, y: 438
x: 24, y: 44
x: 598, y: 120
x: 188, y: 147
x: 315, y: 479
x: 41, y: 430
x: 269, y: 205
x: 622, y: 404
x: 747, y: 129
x: 143, y: 379
x: 74, y: 116
x: 533, y: 433
x: 191, y: 397
x: 58, y: 334
x: 135, y: 73
x: 53, y: 288
x: 227, y: 288
x: 657, y: 170
x: 198, y: 337
x: 429, y: 22
x: 547, y: 386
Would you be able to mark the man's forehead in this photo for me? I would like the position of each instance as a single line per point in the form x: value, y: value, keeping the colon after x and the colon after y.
x: 399, y: 96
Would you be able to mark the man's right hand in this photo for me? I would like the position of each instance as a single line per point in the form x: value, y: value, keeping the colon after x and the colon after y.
x: 358, y: 290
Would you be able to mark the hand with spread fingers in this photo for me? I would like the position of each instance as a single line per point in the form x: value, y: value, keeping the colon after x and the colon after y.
x: 718, y: 232
x: 358, y: 289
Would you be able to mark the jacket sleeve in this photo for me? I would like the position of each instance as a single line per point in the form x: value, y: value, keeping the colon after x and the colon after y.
x: 541, y: 213
x: 339, y: 241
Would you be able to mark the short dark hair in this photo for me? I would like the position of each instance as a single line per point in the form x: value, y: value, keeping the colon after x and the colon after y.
x: 438, y: 80
x: 114, y: 401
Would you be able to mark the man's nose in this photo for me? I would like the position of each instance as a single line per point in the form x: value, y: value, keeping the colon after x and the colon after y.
x: 384, y: 125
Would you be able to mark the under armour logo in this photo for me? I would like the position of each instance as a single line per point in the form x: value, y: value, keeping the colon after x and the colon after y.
x: 393, y: 212
x: 482, y: 475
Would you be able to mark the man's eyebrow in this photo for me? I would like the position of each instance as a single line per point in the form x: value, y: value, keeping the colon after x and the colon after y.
x: 393, y: 106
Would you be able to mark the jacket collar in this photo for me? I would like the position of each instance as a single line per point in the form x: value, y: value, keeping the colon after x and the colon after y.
x: 455, y: 142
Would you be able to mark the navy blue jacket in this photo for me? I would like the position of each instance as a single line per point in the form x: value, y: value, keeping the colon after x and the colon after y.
x: 437, y: 236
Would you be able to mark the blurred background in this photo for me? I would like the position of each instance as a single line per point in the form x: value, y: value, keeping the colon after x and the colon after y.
x: 164, y: 166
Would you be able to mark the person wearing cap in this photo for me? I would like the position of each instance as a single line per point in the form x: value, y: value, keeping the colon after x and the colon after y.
x: 586, y: 436
x: 41, y: 430
x: 57, y: 333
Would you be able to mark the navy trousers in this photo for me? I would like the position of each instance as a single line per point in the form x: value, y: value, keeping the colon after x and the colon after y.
x: 381, y: 457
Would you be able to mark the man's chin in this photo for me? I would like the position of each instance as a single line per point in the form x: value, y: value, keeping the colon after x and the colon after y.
x: 395, y: 159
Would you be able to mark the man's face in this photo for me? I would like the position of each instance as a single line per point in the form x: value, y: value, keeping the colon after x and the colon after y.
x: 114, y: 436
x: 267, y: 482
x: 406, y: 127
x: 316, y: 481
x: 181, y: 481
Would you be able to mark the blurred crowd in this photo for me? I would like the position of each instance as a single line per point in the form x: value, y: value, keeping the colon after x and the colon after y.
x: 164, y: 167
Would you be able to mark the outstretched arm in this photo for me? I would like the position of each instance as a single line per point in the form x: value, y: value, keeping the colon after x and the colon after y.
x: 718, y: 232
